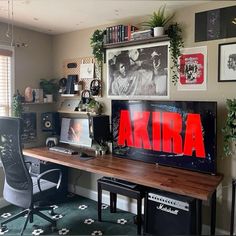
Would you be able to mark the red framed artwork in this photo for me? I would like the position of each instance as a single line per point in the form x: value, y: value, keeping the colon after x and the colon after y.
x: 193, y: 67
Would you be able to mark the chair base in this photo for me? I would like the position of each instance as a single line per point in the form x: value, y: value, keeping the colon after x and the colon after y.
x: 30, y: 215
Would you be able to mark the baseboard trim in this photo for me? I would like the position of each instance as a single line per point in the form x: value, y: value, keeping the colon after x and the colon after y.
x: 123, y: 204
x: 3, y: 203
x: 126, y: 205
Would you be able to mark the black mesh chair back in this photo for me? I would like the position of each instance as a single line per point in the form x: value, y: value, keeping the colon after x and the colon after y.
x: 18, y: 184
x: 20, y: 188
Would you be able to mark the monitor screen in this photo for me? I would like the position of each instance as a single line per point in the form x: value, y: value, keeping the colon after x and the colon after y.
x: 174, y: 133
x: 75, y: 131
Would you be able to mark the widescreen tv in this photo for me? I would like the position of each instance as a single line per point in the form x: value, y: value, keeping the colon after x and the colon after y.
x: 173, y: 133
x: 75, y: 131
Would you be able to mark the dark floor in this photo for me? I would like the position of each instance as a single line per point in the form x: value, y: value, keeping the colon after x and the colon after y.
x: 76, y: 216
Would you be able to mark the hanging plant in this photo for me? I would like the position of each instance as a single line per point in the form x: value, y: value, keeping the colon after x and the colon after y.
x: 229, y: 130
x: 176, y: 43
x: 17, y: 107
x: 96, y: 42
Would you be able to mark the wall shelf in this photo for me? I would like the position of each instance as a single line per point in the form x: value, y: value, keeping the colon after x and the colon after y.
x: 77, y: 112
x: 36, y: 103
x: 136, y: 42
x: 69, y: 95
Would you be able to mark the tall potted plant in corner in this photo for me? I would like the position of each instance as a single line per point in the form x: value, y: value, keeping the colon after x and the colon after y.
x: 158, y: 20
x: 50, y: 88
x: 229, y: 130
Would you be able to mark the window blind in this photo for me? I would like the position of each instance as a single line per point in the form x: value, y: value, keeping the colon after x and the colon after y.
x: 5, y: 81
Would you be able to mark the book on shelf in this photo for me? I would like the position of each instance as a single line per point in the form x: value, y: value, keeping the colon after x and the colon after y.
x: 119, y: 33
x: 144, y: 34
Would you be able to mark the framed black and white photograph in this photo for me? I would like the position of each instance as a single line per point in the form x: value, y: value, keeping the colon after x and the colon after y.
x: 227, y: 62
x: 140, y: 71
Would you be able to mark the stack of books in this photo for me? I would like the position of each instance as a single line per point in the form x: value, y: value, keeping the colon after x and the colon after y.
x: 144, y: 34
x: 119, y: 33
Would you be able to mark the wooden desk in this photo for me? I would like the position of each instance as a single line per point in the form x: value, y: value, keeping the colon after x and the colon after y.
x: 197, y: 185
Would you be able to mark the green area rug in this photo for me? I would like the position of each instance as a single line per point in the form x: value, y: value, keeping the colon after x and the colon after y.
x: 75, y: 216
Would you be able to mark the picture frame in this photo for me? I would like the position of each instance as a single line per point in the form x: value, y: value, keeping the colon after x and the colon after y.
x: 29, y: 133
x: 138, y: 72
x: 227, y: 62
x: 193, y: 69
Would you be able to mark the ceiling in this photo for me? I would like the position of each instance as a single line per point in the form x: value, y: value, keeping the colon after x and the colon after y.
x: 62, y: 16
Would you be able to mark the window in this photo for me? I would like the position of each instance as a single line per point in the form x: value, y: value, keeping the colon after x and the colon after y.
x: 6, y: 79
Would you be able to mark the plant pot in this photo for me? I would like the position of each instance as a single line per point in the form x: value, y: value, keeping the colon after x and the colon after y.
x: 158, y: 31
x: 49, y: 97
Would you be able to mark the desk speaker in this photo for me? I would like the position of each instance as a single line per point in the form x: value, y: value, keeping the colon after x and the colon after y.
x: 99, y: 127
x: 169, y: 214
x: 50, y: 122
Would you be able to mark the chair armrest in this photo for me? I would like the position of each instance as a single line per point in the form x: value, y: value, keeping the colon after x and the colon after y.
x: 29, y: 165
x: 39, y: 177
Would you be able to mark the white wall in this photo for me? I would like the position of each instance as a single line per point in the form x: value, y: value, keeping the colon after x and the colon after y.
x: 76, y: 44
x: 31, y: 64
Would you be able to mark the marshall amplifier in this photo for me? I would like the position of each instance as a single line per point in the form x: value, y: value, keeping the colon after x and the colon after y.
x: 169, y: 214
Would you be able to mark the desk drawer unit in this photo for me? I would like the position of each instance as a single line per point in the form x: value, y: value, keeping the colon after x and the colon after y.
x: 38, y: 167
x: 169, y: 214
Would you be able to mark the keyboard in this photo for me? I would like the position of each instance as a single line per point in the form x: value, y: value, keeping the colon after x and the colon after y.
x: 120, y: 182
x: 68, y: 151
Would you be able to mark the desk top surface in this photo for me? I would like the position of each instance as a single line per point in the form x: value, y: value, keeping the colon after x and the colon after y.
x: 188, y: 183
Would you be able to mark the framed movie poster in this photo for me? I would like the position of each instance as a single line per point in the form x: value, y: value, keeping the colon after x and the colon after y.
x: 140, y: 71
x: 193, y: 69
x: 227, y: 62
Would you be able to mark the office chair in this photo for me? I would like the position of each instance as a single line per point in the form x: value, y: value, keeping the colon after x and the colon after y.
x: 20, y: 188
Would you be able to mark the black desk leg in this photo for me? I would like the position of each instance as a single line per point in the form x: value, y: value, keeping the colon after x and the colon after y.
x: 213, y: 213
x: 139, y: 214
x: 199, y: 216
x: 99, y: 202
x: 113, y: 200
x: 232, y: 208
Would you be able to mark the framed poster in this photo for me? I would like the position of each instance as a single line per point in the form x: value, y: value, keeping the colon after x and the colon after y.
x: 193, y: 69
x: 227, y: 62
x: 29, y: 127
x: 140, y: 71
x: 215, y: 24
x: 87, y: 71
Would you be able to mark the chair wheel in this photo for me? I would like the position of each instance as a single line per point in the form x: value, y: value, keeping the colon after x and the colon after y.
x: 54, y: 228
x: 3, y: 228
x: 51, y: 212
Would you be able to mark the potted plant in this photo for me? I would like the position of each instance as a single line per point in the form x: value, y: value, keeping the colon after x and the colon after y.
x: 96, y: 42
x: 50, y: 88
x: 174, y: 32
x: 229, y: 129
x: 158, y: 20
x: 17, y: 107
x: 94, y: 106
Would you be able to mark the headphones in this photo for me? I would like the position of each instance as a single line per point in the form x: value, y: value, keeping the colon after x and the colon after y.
x: 85, y: 96
x: 95, y: 86
x: 62, y: 85
x: 62, y: 82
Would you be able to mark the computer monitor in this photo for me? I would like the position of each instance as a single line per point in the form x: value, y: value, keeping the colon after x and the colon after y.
x: 75, y: 131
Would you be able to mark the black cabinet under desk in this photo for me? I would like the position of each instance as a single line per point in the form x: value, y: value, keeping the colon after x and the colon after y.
x: 38, y: 166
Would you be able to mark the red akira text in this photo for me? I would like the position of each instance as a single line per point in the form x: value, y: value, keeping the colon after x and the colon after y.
x: 166, y: 132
